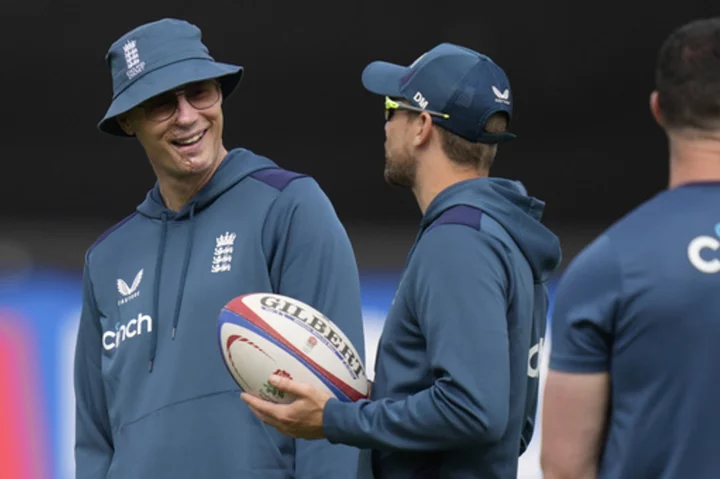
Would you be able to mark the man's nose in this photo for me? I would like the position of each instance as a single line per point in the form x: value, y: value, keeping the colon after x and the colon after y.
x: 186, y: 113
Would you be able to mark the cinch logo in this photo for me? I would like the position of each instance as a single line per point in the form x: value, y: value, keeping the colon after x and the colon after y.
x: 700, y: 258
x: 112, y: 339
x: 536, y: 352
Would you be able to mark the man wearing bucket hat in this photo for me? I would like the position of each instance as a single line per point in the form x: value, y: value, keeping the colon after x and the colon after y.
x: 455, y: 391
x: 153, y: 396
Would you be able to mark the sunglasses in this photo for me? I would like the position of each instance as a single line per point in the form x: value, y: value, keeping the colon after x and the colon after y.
x: 201, y: 95
x: 392, y: 105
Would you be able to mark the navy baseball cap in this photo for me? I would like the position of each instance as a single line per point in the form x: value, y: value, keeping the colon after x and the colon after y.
x: 465, y: 85
x: 158, y: 57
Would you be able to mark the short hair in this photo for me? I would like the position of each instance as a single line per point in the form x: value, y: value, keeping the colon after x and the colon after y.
x: 468, y: 153
x: 688, y: 76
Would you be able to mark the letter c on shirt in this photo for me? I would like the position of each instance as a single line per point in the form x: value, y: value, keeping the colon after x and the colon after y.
x: 695, y: 249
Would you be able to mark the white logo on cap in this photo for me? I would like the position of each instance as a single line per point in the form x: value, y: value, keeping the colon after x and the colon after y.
x: 132, y: 59
x: 420, y: 99
x: 501, y: 97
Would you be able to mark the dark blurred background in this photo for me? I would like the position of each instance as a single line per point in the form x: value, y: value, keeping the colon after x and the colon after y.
x: 581, y: 74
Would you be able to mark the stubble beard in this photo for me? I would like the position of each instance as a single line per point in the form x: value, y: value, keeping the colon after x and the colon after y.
x: 400, y: 171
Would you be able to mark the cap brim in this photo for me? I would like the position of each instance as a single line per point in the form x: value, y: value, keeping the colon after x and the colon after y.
x: 384, y: 78
x: 165, y: 79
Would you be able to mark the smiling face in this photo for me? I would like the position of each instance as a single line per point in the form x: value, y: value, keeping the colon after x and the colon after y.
x: 180, y: 130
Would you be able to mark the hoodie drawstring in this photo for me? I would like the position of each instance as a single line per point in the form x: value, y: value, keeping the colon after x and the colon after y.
x: 158, y: 272
x: 156, y: 295
x: 183, y: 276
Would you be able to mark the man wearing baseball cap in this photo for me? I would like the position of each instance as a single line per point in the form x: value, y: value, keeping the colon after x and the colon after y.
x: 154, y: 398
x: 456, y: 375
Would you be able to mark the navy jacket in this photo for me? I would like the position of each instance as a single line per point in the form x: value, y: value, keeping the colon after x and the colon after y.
x: 154, y: 398
x: 455, y: 391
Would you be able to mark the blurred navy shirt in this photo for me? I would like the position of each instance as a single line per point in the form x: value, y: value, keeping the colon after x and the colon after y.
x: 642, y: 302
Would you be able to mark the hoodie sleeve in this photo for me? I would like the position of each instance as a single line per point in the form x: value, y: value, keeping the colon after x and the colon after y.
x: 313, y: 261
x: 93, y: 439
x: 458, y: 293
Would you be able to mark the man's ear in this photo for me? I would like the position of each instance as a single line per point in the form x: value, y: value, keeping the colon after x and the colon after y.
x: 655, y: 108
x: 422, y: 135
x: 125, y: 124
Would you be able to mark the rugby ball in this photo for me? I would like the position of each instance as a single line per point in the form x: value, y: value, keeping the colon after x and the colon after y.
x: 262, y: 334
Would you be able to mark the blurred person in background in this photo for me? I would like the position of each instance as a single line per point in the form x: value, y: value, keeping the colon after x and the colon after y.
x: 154, y: 398
x: 456, y: 383
x: 632, y: 391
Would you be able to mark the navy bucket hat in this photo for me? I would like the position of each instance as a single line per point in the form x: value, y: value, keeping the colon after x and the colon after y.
x: 158, y: 57
x: 466, y: 86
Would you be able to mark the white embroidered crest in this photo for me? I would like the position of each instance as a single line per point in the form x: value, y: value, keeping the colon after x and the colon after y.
x: 222, y: 256
x: 132, y: 59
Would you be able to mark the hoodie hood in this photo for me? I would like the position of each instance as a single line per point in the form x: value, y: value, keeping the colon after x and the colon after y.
x: 238, y: 164
x: 508, y: 203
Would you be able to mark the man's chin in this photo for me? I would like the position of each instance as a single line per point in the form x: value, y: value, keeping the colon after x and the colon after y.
x: 394, y: 179
x: 188, y: 167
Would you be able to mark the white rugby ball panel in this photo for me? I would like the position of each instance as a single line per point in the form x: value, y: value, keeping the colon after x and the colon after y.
x: 342, y: 366
x: 251, y: 359
x: 264, y: 333
x: 252, y: 356
x: 294, y: 320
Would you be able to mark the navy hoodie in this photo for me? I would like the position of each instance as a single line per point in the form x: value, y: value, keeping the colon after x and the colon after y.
x: 154, y: 398
x: 456, y: 374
